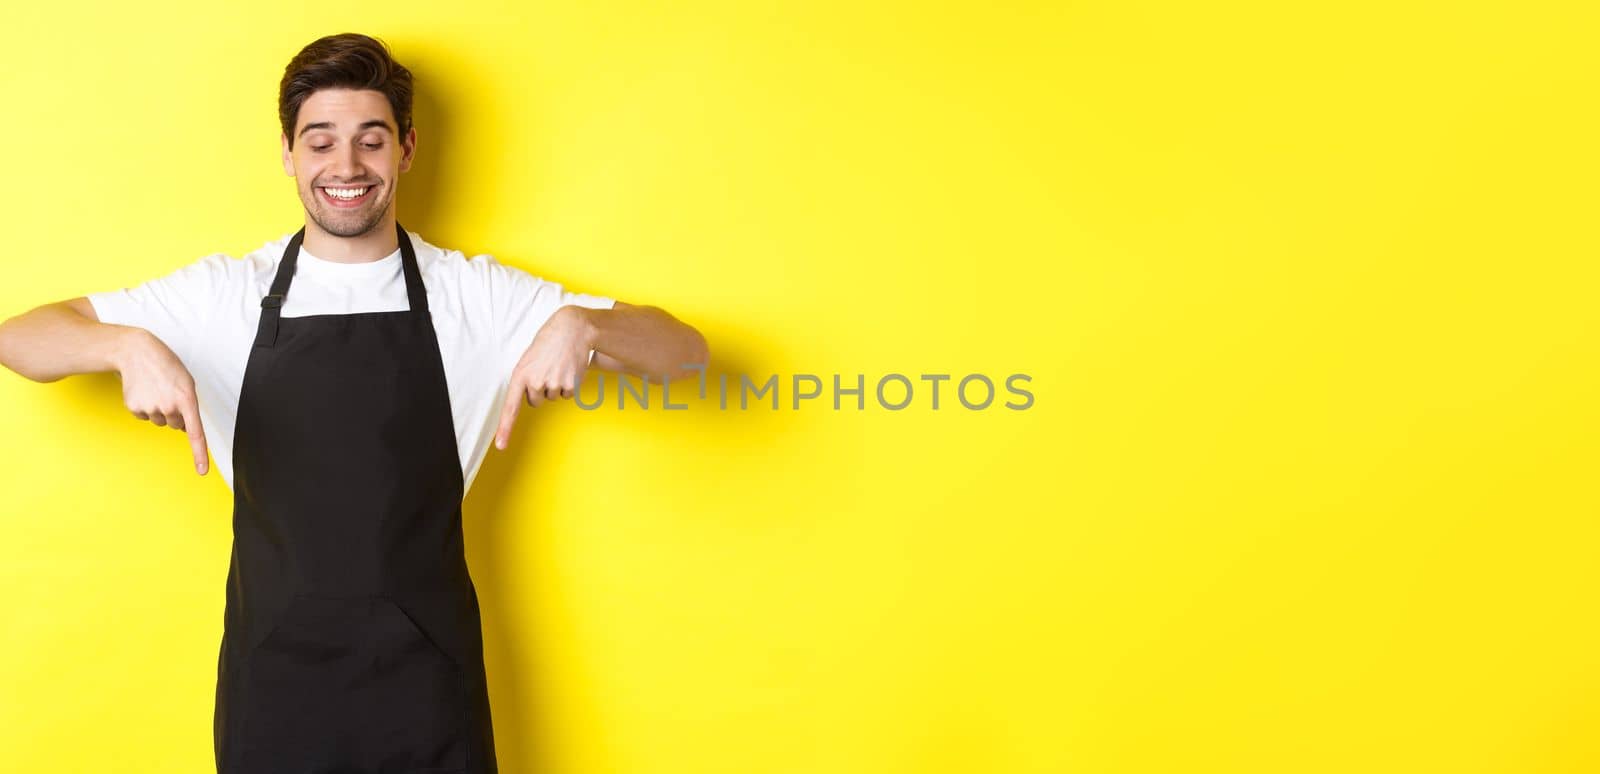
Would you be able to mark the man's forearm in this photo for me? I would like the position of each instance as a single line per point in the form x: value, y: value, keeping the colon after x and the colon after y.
x: 55, y: 340
x: 644, y: 341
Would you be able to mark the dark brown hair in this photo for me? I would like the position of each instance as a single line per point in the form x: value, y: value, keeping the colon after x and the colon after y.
x: 345, y: 61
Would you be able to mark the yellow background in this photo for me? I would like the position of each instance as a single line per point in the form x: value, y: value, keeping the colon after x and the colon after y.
x: 1307, y: 292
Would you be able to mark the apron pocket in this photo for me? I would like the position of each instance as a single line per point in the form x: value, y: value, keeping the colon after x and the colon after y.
x: 350, y: 684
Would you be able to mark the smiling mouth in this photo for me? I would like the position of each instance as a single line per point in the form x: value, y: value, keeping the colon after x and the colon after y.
x: 346, y: 195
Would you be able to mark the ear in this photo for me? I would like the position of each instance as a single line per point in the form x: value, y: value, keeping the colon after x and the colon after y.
x: 408, y: 146
x: 288, y: 156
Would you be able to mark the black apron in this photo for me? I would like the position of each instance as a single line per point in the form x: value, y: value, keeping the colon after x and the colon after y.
x: 351, y: 642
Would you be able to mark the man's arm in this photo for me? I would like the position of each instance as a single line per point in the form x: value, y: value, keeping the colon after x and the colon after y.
x: 65, y: 338
x: 644, y: 341
x: 641, y: 340
x: 61, y: 339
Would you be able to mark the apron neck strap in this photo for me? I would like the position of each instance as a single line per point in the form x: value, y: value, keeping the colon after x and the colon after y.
x: 416, y: 293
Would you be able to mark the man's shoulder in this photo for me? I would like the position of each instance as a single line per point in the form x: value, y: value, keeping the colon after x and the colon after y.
x: 212, y: 272
x: 444, y: 257
x: 262, y: 258
x: 443, y: 263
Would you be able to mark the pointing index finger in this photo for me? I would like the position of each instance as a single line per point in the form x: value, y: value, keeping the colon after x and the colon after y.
x: 197, y: 435
x: 508, y: 413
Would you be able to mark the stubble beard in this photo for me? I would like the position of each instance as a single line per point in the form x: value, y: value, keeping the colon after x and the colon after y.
x: 346, y: 224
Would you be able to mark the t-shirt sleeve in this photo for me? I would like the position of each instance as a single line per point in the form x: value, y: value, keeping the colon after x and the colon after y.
x: 176, y: 307
x: 522, y: 303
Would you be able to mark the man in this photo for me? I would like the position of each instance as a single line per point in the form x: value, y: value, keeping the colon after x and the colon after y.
x: 348, y: 379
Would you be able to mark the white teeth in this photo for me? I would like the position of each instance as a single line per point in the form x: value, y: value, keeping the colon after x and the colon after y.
x: 346, y: 193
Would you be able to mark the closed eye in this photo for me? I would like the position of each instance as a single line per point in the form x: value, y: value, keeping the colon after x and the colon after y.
x: 367, y: 145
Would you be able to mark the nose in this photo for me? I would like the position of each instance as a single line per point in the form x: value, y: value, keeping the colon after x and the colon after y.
x: 345, y: 166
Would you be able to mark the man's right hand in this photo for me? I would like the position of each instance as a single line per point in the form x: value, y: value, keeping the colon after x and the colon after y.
x: 156, y: 387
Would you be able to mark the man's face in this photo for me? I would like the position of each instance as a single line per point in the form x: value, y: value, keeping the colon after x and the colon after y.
x: 347, y: 159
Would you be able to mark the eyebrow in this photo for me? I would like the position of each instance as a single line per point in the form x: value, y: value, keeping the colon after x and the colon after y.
x: 368, y: 124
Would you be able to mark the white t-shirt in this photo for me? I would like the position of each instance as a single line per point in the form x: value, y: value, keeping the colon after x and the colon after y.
x: 485, y: 315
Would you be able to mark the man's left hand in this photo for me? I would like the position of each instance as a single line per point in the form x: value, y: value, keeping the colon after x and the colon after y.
x: 550, y: 369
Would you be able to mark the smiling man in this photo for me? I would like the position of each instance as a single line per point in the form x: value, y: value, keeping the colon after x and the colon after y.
x: 348, y: 379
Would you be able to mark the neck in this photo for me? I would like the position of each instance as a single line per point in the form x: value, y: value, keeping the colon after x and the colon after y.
x: 368, y: 247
